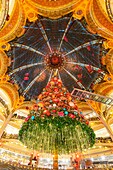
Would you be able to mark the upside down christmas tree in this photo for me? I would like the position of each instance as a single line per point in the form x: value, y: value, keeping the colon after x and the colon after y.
x: 55, y: 123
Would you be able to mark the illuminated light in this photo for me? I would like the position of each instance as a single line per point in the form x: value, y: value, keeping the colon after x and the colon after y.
x: 103, y: 157
x: 87, y: 116
x: 92, y: 159
x: 91, y: 115
x: 7, y: 102
x: 54, y: 105
x: 48, y: 159
x: 94, y: 114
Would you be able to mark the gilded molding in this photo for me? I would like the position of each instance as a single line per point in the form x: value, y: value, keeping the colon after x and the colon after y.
x: 83, y: 106
x: 109, y: 116
x: 26, y: 105
x: 80, y: 10
x: 109, y: 9
x: 109, y: 62
x: 105, y: 89
x: 4, y: 62
x: 97, y: 20
x: 14, y: 27
x: 4, y: 8
x: 11, y: 91
x: 5, y: 107
x: 53, y: 9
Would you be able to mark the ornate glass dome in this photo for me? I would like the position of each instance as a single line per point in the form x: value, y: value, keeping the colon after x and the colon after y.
x: 63, y: 45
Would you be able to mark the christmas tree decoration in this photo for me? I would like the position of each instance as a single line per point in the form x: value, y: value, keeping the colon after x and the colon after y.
x: 55, y: 123
x: 26, y: 78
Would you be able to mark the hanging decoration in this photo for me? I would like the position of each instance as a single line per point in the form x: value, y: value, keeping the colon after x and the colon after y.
x: 55, y: 122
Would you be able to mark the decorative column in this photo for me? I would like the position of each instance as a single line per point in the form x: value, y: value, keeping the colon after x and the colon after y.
x: 5, y: 123
x: 102, y: 119
x: 55, y: 160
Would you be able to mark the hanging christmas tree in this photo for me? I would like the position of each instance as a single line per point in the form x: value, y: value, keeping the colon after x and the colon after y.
x: 55, y: 123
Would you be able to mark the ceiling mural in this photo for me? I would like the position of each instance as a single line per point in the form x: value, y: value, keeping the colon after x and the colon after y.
x: 70, y: 39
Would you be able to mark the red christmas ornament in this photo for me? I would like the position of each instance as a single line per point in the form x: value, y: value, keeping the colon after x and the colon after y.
x: 59, y: 84
x: 67, y: 94
x: 88, y: 48
x: 61, y: 114
x: 26, y: 78
x: 56, y: 100
x: 48, y: 86
x: 79, y: 76
x: 77, y: 67
x: 65, y: 39
x: 56, y: 89
x: 46, y: 93
x: 71, y: 115
x: 55, y: 79
x: 46, y: 112
x: 27, y: 118
x: 80, y: 81
x: 87, y: 123
x: 26, y: 74
x: 54, y: 111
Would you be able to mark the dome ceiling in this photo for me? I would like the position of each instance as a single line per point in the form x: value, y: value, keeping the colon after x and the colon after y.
x: 36, y: 55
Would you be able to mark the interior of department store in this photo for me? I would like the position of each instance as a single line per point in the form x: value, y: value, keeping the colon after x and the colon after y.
x: 56, y: 84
